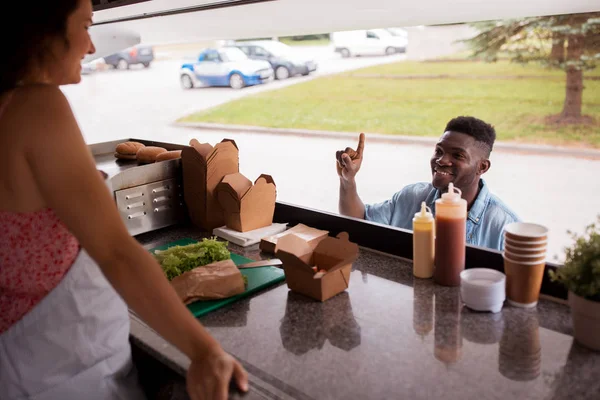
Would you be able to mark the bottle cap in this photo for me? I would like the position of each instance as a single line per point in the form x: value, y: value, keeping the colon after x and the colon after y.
x: 424, y: 215
x: 453, y: 195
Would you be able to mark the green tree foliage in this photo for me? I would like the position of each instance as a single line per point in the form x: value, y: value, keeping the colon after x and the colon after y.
x: 569, y: 42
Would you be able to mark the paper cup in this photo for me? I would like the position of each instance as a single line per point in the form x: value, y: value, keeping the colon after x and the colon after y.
x: 523, y: 281
x: 526, y: 245
x: 509, y: 248
x: 526, y: 232
x: 525, y: 257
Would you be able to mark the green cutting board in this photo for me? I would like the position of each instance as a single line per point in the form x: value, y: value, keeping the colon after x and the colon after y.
x: 258, y: 279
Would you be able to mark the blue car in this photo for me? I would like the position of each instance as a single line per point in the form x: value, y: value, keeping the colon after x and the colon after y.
x: 225, y: 66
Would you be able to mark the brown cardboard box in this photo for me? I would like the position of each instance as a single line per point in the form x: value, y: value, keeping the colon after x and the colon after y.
x: 334, y: 255
x: 204, y: 166
x: 246, y: 206
x: 311, y: 235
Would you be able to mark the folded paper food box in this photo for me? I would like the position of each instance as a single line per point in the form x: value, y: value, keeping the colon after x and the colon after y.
x: 311, y: 235
x: 204, y: 166
x: 304, y: 266
x: 247, y: 206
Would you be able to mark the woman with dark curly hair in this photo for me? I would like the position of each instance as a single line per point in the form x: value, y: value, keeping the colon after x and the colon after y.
x: 68, y: 267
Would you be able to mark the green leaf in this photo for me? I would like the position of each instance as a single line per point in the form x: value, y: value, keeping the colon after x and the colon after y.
x: 580, y: 272
x: 178, y: 259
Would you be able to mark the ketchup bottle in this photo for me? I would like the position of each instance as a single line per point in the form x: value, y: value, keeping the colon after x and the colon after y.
x: 450, y: 237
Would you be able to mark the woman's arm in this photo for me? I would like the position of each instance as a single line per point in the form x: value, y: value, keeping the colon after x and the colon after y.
x: 69, y: 183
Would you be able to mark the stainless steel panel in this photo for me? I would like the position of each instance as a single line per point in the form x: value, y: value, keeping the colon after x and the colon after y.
x: 137, y: 175
x: 151, y: 206
x: 148, y: 196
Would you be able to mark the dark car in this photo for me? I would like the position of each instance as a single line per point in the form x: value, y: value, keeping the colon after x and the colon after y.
x: 284, y: 59
x: 139, y: 54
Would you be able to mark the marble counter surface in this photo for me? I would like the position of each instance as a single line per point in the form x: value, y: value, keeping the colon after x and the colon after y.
x: 391, y: 336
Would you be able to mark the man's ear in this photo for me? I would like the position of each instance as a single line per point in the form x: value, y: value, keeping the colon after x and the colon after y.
x: 484, y: 166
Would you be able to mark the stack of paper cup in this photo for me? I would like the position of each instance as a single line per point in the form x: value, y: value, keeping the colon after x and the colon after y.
x: 524, y: 262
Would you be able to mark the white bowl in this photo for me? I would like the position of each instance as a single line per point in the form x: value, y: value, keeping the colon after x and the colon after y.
x: 483, y: 289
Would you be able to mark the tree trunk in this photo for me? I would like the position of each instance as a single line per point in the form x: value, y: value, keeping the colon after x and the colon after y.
x: 573, y: 98
x: 557, y: 54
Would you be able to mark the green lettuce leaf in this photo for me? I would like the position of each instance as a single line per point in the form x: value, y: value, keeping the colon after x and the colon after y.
x: 178, y: 259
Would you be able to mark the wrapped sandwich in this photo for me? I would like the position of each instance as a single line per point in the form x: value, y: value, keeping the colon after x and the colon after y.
x: 218, y: 280
x: 201, y: 271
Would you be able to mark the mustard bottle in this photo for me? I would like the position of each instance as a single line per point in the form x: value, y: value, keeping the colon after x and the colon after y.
x: 423, y: 242
x: 450, y: 237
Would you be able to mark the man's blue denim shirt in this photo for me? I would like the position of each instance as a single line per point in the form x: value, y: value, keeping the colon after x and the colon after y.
x: 485, y: 221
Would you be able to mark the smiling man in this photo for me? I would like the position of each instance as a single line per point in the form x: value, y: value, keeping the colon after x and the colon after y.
x: 461, y: 156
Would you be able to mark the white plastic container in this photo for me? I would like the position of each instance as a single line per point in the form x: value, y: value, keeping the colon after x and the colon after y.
x: 483, y: 289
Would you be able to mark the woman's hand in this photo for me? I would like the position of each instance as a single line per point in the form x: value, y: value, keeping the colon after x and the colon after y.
x: 208, y: 376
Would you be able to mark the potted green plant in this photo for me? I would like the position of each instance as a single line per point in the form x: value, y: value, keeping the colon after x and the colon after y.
x: 580, y: 274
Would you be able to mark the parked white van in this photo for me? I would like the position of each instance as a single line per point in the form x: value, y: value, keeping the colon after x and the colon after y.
x: 370, y: 42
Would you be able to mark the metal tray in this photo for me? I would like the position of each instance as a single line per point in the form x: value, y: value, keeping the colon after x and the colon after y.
x: 148, y: 196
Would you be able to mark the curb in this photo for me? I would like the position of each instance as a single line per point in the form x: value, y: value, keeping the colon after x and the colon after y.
x: 393, y: 139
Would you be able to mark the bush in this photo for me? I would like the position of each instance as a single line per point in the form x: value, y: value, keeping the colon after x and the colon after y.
x: 580, y: 273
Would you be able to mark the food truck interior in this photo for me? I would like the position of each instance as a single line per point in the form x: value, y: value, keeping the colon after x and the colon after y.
x: 385, y: 334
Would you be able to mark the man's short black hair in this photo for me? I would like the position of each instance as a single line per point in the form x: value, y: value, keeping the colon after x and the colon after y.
x: 481, y: 131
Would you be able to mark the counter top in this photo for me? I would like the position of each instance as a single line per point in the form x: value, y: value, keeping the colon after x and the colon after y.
x: 390, y: 336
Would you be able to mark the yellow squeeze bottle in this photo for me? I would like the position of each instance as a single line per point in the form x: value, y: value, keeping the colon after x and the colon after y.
x: 423, y: 243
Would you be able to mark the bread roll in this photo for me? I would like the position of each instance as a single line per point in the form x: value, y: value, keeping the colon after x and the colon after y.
x: 128, y: 148
x: 126, y: 156
x: 147, y: 154
x: 169, y: 155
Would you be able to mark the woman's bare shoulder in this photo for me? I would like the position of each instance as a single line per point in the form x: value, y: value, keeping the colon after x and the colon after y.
x: 37, y: 109
x: 30, y: 96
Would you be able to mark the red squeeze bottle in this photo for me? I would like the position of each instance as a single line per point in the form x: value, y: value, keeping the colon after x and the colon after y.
x: 451, y: 237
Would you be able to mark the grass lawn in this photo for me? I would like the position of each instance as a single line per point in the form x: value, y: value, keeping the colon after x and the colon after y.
x: 421, y: 107
x: 502, y: 68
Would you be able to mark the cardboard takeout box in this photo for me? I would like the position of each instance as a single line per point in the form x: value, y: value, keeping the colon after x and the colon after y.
x: 204, y: 166
x: 334, y: 255
x: 246, y: 206
x: 311, y: 235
